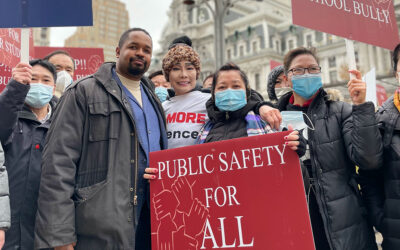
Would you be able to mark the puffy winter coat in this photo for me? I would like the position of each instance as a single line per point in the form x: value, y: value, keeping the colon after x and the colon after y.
x: 340, y: 141
x: 381, y: 188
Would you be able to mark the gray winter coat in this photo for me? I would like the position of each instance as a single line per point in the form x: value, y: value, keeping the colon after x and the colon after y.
x: 90, y: 167
x: 5, y: 219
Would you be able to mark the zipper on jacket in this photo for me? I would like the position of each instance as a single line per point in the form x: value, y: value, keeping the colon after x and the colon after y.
x: 136, y: 171
x: 321, y: 194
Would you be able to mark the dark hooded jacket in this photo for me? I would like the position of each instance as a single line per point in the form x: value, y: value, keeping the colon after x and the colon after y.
x: 380, y: 188
x: 23, y: 139
x: 341, y: 139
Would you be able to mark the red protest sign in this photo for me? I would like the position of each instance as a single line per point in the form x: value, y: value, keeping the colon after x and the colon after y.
x: 10, y: 53
x: 87, y: 60
x: 381, y: 95
x: 368, y: 21
x: 246, y: 192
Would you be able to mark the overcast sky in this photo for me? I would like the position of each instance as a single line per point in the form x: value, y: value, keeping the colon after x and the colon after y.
x: 148, y: 14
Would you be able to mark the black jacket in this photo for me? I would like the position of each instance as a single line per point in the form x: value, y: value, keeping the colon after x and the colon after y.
x: 23, y: 139
x: 340, y: 141
x: 229, y: 125
x: 90, y: 168
x: 381, y: 188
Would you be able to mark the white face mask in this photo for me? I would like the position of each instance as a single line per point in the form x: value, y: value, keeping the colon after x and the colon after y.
x: 63, y: 81
x: 282, y: 91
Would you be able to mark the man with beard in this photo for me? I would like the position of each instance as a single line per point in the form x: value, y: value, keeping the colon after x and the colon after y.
x: 92, y: 192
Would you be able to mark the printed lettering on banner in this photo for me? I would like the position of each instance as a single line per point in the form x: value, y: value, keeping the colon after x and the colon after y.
x: 369, y: 21
x: 87, y: 60
x: 10, y: 43
x: 228, y: 195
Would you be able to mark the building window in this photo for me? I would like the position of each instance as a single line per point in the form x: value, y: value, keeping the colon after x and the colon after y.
x: 291, y: 44
x: 241, y: 51
x: 277, y: 46
x: 332, y: 62
x: 309, y: 40
x: 333, y: 76
x: 357, y: 57
x: 228, y: 54
x: 255, y: 47
x: 257, y: 81
x: 329, y: 39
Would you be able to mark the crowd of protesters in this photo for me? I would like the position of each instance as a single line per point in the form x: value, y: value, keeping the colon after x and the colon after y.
x: 74, y: 156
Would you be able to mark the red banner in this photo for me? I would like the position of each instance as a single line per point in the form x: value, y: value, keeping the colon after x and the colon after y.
x: 368, y: 21
x: 246, y: 192
x: 87, y: 60
x: 381, y: 95
x: 10, y: 46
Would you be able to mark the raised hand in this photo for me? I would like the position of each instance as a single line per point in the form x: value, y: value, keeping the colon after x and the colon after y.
x: 22, y: 73
x: 165, y: 203
x: 357, y: 88
x: 183, y: 193
x: 197, y: 219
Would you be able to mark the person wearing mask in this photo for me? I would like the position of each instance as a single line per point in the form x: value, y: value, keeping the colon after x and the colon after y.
x: 277, y: 84
x: 62, y: 60
x: 65, y: 67
x: 26, y: 106
x: 97, y: 149
x: 5, y: 218
x: 230, y: 112
x: 161, y: 85
x: 339, y: 136
x: 381, y: 188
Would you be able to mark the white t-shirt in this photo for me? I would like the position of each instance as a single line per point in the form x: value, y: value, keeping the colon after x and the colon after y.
x: 186, y: 114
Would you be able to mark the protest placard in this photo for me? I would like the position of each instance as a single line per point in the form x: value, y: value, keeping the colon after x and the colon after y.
x: 87, y: 60
x: 241, y: 193
x: 368, y: 21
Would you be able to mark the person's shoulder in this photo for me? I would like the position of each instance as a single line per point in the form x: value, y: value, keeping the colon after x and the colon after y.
x: 201, y: 95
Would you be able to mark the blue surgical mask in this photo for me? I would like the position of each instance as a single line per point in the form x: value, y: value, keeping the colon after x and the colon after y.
x: 230, y: 99
x: 162, y: 93
x: 39, y: 95
x: 306, y: 85
x: 294, y: 118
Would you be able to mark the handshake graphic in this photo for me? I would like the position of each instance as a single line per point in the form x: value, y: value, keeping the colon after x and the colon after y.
x: 175, y: 208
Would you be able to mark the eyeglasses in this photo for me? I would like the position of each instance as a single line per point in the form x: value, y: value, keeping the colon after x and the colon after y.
x: 301, y: 71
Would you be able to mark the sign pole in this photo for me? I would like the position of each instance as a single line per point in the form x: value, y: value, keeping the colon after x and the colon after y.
x: 25, y: 45
x: 351, y: 59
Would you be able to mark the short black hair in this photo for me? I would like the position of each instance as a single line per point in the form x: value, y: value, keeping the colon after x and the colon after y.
x: 59, y: 52
x: 291, y: 55
x: 227, y: 67
x: 156, y: 73
x: 125, y: 35
x: 209, y: 76
x: 47, y: 65
x: 180, y: 40
x: 395, y: 57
